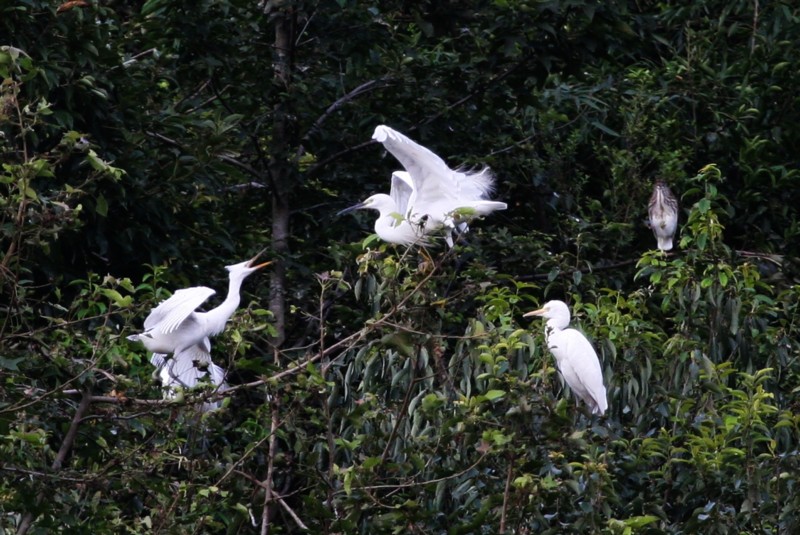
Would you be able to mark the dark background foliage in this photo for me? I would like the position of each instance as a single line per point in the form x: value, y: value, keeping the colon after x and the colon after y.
x: 377, y: 389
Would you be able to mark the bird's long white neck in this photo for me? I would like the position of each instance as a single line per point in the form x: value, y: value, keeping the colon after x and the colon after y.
x: 216, y: 318
x: 558, y: 323
x: 554, y: 325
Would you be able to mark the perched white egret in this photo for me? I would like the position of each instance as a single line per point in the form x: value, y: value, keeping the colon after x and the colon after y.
x: 575, y: 356
x: 428, y: 195
x: 392, y: 225
x: 175, y: 326
x: 663, y: 211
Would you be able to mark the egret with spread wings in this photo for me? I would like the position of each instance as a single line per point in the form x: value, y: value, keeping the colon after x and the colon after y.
x: 428, y: 195
x: 176, y: 327
x: 575, y: 357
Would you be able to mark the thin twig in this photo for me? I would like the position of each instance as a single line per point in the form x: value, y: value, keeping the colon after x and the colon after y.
x: 402, y: 413
x: 477, y: 91
x: 294, y: 516
x: 363, y: 88
x: 506, y: 494
x: 420, y: 483
x: 34, y: 401
x: 61, y: 456
x: 275, y: 496
x: 244, y: 457
x: 225, y: 158
x: 268, y: 482
x: 317, y: 168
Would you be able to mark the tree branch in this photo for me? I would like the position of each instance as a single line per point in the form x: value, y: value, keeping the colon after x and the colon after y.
x: 276, y: 497
x: 61, y: 456
x: 360, y: 90
x: 421, y: 483
x: 506, y: 494
x: 225, y: 158
x: 317, y: 169
x: 267, y: 485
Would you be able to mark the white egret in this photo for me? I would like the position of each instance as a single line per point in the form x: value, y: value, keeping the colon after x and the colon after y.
x: 175, y: 326
x: 392, y: 225
x: 575, y: 357
x: 663, y: 212
x: 429, y: 195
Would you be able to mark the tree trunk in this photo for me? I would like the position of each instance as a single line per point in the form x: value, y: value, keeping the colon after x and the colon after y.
x: 280, y: 170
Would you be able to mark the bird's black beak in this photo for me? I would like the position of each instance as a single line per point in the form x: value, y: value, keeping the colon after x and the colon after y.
x: 351, y: 209
x: 251, y: 263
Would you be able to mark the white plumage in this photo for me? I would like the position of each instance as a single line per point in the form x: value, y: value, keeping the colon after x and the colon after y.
x: 176, y: 327
x: 428, y: 195
x: 392, y: 225
x: 575, y: 357
x: 663, y: 212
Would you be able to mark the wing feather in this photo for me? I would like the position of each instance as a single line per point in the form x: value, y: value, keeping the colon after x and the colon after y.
x: 437, y: 189
x: 169, y: 314
x: 158, y: 360
x: 188, y: 367
x: 432, y: 178
x: 578, y: 363
x: 401, y: 191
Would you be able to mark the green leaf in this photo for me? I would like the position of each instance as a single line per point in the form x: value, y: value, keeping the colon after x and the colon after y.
x: 493, y: 395
x: 117, y: 298
x: 101, y: 206
x: 10, y: 364
x: 640, y: 521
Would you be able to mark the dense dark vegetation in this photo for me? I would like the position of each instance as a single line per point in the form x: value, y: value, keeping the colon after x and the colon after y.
x: 145, y: 145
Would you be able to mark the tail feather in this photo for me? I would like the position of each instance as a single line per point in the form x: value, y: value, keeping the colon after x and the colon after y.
x: 487, y: 207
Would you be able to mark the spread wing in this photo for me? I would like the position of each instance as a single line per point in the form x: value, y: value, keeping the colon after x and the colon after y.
x: 169, y: 314
x: 401, y: 191
x: 189, y: 367
x: 158, y: 360
x: 437, y: 188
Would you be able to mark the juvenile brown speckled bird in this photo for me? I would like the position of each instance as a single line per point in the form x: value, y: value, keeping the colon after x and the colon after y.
x: 663, y: 211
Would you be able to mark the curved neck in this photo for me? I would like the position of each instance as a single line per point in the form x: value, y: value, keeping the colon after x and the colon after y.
x: 217, y: 318
x: 558, y: 323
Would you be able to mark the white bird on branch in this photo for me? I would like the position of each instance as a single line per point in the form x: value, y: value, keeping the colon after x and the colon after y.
x: 392, y: 225
x: 663, y: 212
x: 176, y: 327
x: 575, y: 357
x: 428, y: 195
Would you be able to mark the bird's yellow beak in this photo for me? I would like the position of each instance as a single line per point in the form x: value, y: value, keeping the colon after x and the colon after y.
x: 261, y: 265
x: 253, y: 261
x: 539, y: 312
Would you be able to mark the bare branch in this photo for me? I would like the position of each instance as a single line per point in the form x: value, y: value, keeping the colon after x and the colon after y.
x: 506, y: 494
x: 276, y: 497
x: 421, y: 483
x: 224, y: 157
x: 61, y: 456
x: 360, y: 90
x: 317, y: 168
x: 403, y: 410
x: 294, y: 516
x: 267, y: 484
